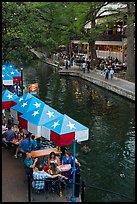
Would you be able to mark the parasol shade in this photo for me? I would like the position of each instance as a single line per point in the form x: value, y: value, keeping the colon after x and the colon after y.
x: 63, y: 130
x: 8, y: 99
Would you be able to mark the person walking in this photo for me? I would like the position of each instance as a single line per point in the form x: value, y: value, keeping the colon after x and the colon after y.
x: 66, y: 64
x: 107, y: 73
x: 84, y: 65
x: 88, y: 64
x: 111, y: 73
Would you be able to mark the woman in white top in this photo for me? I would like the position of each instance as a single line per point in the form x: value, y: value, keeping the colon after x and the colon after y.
x: 53, y: 159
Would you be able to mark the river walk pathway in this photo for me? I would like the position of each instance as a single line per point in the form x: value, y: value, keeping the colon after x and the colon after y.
x: 117, y: 85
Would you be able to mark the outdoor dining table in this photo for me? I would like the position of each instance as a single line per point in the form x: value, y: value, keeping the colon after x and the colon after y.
x: 15, y: 142
x: 44, y: 152
x: 64, y: 167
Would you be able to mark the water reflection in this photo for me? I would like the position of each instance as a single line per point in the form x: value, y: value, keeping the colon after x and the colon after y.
x: 111, y: 120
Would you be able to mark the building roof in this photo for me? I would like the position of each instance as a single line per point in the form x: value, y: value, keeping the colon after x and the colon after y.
x: 107, y: 7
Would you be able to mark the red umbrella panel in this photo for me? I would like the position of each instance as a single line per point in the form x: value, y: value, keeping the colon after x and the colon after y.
x: 62, y: 140
x: 7, y: 104
x: 22, y: 122
x: 8, y: 99
x: 17, y: 79
x: 64, y: 130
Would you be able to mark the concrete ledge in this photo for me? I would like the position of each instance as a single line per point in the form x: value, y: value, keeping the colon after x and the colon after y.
x: 105, y: 84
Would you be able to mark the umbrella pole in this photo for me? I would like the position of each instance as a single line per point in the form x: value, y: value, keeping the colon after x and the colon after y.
x: 73, y: 199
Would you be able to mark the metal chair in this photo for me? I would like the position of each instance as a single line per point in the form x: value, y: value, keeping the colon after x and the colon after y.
x: 53, y: 185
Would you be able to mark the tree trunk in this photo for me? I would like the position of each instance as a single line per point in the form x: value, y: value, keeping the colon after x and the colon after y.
x: 92, y: 46
x: 92, y: 51
x: 130, y: 73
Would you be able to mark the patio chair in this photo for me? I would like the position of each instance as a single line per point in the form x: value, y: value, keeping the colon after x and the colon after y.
x: 53, y: 185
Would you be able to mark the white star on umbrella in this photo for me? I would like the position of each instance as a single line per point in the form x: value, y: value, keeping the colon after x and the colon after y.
x: 37, y: 104
x: 9, y: 96
x: 12, y: 72
x: 20, y: 99
x: 24, y: 104
x: 3, y: 68
x: 2, y: 75
x: 50, y: 114
x: 71, y: 125
x: 35, y: 113
x: 55, y: 124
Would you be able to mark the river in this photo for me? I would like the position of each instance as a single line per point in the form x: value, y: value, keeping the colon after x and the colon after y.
x: 110, y: 165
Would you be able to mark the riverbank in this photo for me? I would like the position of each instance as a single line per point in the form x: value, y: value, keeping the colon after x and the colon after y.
x: 116, y: 85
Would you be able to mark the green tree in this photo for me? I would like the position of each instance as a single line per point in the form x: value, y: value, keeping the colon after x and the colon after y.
x: 30, y: 25
x: 86, y: 12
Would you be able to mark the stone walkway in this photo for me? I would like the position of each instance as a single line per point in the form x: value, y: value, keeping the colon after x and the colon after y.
x: 117, y: 85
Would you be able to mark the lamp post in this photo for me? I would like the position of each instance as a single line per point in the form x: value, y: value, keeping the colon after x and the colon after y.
x: 21, y: 80
x: 73, y: 198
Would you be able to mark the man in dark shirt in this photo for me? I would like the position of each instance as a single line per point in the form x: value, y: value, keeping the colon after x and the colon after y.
x: 8, y: 136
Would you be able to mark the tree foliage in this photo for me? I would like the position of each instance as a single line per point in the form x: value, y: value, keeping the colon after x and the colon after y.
x: 30, y: 25
x: 46, y: 25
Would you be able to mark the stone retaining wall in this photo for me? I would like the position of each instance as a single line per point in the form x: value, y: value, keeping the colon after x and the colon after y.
x: 104, y: 84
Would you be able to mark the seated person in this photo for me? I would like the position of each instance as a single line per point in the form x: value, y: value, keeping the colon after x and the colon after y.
x: 53, y: 159
x: 20, y: 135
x: 38, y: 143
x: 41, y: 174
x: 4, y: 128
x: 29, y: 164
x: 53, y: 170
x: 34, y: 142
x: 8, y: 136
x: 24, y: 146
x: 19, y: 138
x: 68, y: 159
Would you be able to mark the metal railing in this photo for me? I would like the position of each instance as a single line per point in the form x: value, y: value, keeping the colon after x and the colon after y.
x: 83, y: 185
x: 80, y: 190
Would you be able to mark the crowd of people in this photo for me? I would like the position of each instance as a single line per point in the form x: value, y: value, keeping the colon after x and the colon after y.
x: 106, y: 65
x: 16, y: 88
x: 26, y: 142
x: 38, y: 170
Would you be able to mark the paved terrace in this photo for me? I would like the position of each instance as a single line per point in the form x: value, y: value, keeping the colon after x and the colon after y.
x: 15, y: 186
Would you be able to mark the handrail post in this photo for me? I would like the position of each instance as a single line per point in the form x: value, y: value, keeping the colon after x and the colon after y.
x: 82, y: 191
x: 73, y: 199
x: 29, y: 189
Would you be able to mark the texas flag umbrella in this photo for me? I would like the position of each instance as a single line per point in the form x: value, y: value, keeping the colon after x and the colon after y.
x: 38, y: 117
x: 65, y: 129
x: 20, y: 99
x: 8, y: 99
x: 9, y: 64
x: 12, y: 72
x: 6, y: 79
x: 23, y: 106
